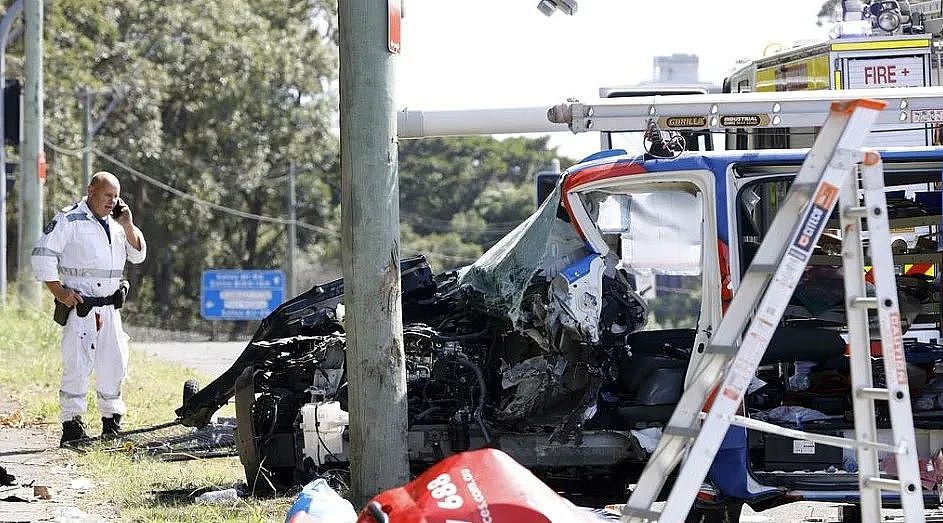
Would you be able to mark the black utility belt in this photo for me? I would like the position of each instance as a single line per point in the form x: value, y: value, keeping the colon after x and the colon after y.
x: 88, y: 302
x: 61, y: 314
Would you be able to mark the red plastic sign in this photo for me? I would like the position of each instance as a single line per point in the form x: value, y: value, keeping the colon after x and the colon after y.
x: 481, y: 486
x: 394, y: 9
x: 41, y: 168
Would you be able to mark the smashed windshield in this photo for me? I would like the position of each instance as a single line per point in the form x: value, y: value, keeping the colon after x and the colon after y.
x: 658, y: 235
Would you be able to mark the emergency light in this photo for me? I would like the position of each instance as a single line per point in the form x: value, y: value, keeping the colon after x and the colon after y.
x: 884, y: 15
x: 548, y: 7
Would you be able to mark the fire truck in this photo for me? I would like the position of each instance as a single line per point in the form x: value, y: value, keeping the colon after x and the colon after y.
x: 880, y: 44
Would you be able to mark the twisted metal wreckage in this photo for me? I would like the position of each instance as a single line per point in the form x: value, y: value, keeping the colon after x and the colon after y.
x: 545, y: 348
x: 512, y: 351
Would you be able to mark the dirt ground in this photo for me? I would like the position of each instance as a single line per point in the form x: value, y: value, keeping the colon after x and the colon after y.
x: 33, y: 456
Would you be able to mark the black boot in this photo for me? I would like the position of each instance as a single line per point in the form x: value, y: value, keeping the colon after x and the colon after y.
x: 111, y: 427
x: 72, y: 430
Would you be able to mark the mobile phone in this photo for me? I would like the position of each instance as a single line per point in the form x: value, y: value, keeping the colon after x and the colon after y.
x: 118, y: 209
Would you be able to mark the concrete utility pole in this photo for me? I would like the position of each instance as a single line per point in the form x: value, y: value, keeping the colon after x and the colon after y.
x: 31, y: 156
x: 370, y: 248
x: 292, y: 231
x: 5, y: 25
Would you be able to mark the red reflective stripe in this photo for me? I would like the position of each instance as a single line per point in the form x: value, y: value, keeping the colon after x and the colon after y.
x: 723, y: 259
x: 919, y: 269
x: 851, y: 105
x: 592, y: 174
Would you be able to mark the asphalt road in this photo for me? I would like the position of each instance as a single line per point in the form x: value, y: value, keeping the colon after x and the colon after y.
x: 208, y: 357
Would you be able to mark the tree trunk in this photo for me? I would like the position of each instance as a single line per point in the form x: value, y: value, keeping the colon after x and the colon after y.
x: 162, y: 286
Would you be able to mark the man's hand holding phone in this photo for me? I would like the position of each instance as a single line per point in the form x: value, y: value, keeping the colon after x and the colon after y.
x: 118, y: 209
x: 122, y: 213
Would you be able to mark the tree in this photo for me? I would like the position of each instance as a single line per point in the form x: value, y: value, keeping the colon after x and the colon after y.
x: 460, y: 195
x: 215, y: 98
x: 212, y: 97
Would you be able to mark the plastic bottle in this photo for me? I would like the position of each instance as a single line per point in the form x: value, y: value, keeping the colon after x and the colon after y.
x: 323, y: 425
x: 318, y: 503
x: 218, y: 496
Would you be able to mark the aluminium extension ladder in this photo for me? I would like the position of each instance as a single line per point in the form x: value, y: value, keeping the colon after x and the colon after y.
x: 828, y: 174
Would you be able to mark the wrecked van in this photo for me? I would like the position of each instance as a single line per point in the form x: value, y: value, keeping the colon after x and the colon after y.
x: 568, y: 342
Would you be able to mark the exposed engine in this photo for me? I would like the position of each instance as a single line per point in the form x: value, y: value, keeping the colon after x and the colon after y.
x: 473, y: 379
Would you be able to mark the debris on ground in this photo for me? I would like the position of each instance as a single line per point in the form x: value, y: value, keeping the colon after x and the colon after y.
x: 42, y: 492
x: 81, y: 484
x: 17, y: 495
x: 16, y: 419
x: 218, y: 496
x: 319, y: 503
x: 76, y: 515
x: 6, y: 478
x: 171, y: 441
x: 223, y: 496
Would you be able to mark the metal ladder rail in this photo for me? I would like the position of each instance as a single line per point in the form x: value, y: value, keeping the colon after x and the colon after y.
x: 906, y: 107
x: 857, y: 304
x: 830, y: 161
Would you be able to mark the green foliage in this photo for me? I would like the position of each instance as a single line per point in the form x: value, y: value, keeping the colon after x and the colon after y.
x: 135, y: 485
x: 212, y: 97
x: 216, y: 98
x: 675, y: 310
x: 460, y: 195
x: 29, y: 348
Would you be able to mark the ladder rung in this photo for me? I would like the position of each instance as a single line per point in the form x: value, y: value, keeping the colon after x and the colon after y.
x: 882, y: 483
x: 865, y: 303
x: 855, y: 212
x: 804, y: 187
x: 642, y: 513
x: 762, y: 268
x: 685, y: 432
x: 824, y: 439
x: 727, y: 350
x: 874, y: 393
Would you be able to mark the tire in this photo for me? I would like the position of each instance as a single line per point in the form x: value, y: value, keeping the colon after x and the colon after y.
x: 190, y: 388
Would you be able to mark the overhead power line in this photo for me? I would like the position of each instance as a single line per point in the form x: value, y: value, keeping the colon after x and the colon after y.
x: 177, y: 192
x: 157, y: 183
x: 68, y: 152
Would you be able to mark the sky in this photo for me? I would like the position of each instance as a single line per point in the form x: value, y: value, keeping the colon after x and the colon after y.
x: 477, y: 54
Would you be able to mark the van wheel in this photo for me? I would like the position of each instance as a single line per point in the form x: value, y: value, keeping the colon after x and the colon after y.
x: 190, y: 388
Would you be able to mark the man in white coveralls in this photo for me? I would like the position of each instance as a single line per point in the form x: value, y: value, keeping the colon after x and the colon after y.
x: 80, y: 257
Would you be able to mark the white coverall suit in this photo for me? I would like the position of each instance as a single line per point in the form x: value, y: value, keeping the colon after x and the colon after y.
x: 75, y: 250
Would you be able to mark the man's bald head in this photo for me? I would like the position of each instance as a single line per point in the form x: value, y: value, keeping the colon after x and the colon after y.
x: 103, y: 177
x: 103, y: 192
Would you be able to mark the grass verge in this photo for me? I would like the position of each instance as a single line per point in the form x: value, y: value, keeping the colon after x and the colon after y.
x: 143, y: 489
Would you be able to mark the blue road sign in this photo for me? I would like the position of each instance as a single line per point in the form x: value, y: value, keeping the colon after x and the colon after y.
x: 229, y: 294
